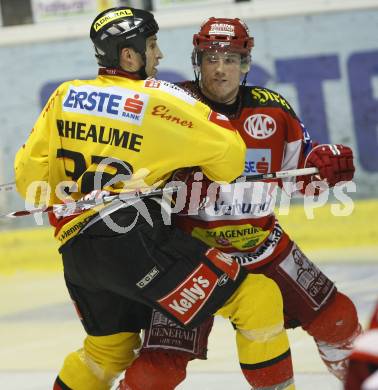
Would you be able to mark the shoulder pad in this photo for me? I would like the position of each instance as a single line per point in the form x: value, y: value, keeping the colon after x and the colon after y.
x: 266, y: 97
x: 171, y: 89
x: 192, y: 88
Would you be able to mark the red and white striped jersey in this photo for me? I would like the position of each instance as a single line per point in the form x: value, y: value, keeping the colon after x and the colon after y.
x: 242, y: 220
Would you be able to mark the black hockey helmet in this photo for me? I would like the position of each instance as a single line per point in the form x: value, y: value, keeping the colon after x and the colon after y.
x: 120, y: 27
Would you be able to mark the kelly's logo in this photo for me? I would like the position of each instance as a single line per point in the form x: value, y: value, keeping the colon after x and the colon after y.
x: 189, y: 297
x: 224, y: 262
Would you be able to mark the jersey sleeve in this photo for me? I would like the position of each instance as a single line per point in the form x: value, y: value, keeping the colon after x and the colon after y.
x: 297, y: 146
x: 223, y: 146
x: 32, y: 159
x: 199, y: 137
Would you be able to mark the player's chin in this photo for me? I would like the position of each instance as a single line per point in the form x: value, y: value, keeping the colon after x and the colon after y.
x: 224, y: 96
x: 220, y: 90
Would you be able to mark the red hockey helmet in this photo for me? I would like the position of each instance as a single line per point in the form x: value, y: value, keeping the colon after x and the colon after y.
x: 223, y: 34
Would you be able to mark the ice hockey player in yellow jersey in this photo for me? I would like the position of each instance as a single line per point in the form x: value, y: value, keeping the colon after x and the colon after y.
x: 119, y: 133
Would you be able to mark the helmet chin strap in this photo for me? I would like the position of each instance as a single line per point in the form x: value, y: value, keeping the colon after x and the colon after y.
x: 244, y: 82
x: 142, y: 70
x: 197, y: 76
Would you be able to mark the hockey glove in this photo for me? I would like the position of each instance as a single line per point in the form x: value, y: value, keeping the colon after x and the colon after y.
x: 334, y: 162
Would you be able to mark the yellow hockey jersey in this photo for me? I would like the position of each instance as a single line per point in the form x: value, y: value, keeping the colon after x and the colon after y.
x: 117, y: 134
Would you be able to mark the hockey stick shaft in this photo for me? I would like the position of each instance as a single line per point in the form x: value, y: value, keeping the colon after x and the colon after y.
x: 283, y: 174
x: 86, y: 204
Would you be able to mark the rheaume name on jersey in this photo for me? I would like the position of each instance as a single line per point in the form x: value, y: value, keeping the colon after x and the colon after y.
x: 135, y: 132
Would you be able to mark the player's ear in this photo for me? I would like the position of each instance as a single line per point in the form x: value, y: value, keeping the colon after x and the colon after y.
x: 129, y: 59
x: 127, y: 53
x: 245, y: 65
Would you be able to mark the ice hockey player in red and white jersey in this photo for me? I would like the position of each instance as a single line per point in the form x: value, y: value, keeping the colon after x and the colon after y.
x: 242, y: 223
x: 363, y: 361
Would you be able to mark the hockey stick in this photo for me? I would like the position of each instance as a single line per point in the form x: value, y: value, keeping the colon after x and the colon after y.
x: 88, y: 204
x: 283, y: 174
x: 124, y: 197
x: 263, y: 176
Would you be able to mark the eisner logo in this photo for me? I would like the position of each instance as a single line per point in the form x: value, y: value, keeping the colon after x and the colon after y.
x: 111, y: 102
x: 165, y: 113
x: 260, y: 126
x: 188, y: 298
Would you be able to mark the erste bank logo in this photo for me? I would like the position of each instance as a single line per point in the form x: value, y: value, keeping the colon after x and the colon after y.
x: 110, y: 102
x: 257, y: 161
x: 133, y: 105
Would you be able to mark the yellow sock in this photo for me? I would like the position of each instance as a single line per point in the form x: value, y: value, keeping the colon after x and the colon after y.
x: 98, y: 364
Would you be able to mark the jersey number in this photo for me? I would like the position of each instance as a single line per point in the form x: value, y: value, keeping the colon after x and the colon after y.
x: 88, y: 177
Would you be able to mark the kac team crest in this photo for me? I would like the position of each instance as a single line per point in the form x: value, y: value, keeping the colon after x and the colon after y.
x: 260, y: 126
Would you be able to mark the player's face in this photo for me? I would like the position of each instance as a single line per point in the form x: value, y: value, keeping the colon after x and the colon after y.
x: 220, y: 76
x: 153, y: 55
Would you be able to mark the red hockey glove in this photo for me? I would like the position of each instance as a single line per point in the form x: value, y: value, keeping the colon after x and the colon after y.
x: 198, y: 194
x: 335, y: 163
